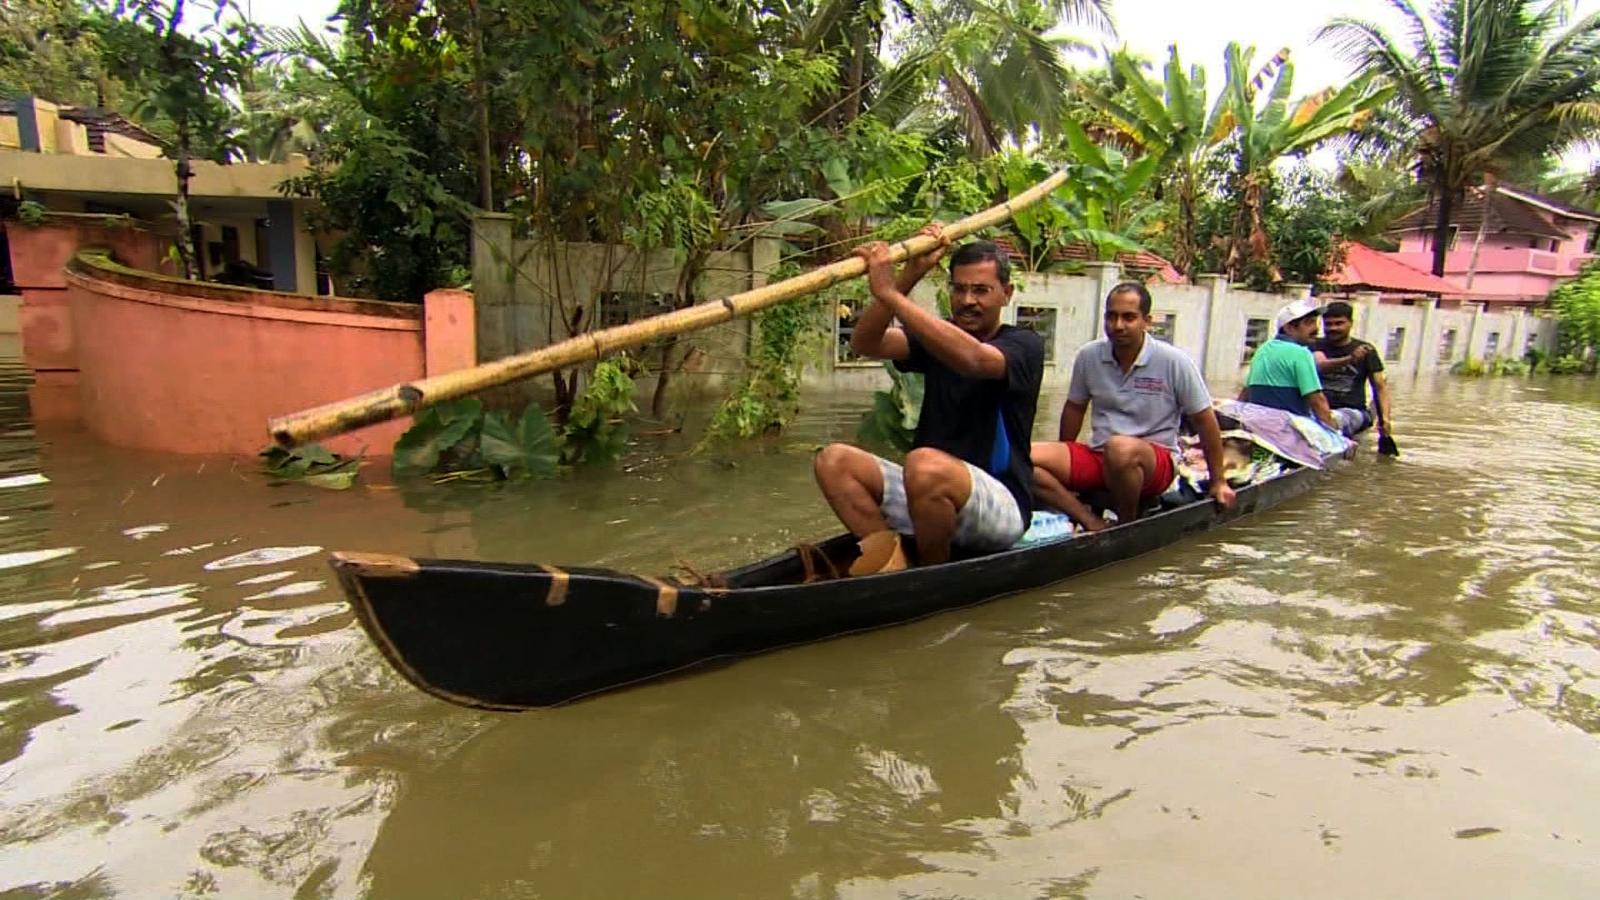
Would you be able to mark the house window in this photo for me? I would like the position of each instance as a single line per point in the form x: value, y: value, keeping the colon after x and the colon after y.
x: 847, y: 313
x: 1163, y: 325
x: 1447, y: 346
x: 1395, y: 345
x: 622, y: 307
x: 1491, y: 347
x: 1042, y: 321
x: 1256, y: 333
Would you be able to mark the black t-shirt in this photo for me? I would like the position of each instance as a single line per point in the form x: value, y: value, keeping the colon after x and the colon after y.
x: 1346, y: 386
x: 964, y: 416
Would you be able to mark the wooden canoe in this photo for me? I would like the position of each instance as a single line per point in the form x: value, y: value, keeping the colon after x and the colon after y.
x: 515, y: 636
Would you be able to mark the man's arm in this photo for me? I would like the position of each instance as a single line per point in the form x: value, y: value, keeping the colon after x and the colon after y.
x: 962, y: 352
x: 1072, y: 413
x: 1319, y: 408
x: 1205, y: 424
x: 873, y: 335
x: 1326, y: 363
x: 1380, y: 392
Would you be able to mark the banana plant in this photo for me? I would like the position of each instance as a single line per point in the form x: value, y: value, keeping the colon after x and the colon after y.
x: 1174, y: 122
x: 1270, y: 127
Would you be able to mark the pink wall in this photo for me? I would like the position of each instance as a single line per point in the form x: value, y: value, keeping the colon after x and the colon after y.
x: 39, y: 254
x: 190, y: 367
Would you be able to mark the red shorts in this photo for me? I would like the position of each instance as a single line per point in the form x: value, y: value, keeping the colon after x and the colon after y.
x: 1089, y: 473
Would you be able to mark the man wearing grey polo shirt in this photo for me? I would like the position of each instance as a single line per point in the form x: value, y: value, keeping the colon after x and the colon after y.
x: 1139, y: 388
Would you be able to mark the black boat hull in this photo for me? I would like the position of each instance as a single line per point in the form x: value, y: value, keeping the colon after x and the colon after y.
x: 515, y: 636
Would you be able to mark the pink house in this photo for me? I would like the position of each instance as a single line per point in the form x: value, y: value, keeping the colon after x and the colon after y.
x: 1508, y: 245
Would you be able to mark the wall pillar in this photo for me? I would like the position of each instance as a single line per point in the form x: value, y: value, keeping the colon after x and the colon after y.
x: 492, y: 285
x: 1212, y: 360
x: 281, y: 247
x: 1106, y: 275
x: 1429, y: 342
x: 1518, y: 330
x: 1473, y: 330
x: 449, y: 331
x: 1366, y: 304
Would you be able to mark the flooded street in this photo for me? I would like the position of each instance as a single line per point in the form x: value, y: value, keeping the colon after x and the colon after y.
x: 1387, y: 688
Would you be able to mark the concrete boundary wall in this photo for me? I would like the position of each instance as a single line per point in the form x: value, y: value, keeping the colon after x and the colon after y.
x: 1211, y: 321
x: 527, y: 289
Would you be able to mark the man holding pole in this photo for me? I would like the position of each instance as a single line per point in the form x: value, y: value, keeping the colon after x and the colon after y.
x: 967, y: 478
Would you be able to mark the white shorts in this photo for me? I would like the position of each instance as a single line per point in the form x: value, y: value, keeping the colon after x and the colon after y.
x: 989, y: 520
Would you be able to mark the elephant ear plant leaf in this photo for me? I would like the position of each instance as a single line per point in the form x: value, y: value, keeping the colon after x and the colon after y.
x: 438, y: 430
x: 312, y: 464
x: 526, y: 449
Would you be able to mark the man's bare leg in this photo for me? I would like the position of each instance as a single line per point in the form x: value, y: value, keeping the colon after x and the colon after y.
x: 937, y: 486
x: 1052, y: 470
x: 1130, y: 463
x: 852, y: 483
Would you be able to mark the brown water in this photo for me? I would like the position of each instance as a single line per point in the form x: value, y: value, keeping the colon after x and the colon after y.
x: 1390, y: 687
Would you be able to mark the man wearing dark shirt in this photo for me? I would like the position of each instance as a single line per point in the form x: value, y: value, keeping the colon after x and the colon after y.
x: 1347, y: 365
x: 968, y: 477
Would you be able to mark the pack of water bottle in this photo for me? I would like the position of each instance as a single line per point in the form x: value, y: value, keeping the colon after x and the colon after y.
x: 1048, y: 525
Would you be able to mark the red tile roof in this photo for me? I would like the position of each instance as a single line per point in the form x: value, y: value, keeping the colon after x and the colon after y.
x: 1369, y: 268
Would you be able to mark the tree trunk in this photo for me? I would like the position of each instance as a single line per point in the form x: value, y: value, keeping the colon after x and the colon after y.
x: 481, y: 97
x: 858, y: 62
x: 658, y: 400
x: 186, y: 250
x: 1441, y: 229
x: 1184, y: 251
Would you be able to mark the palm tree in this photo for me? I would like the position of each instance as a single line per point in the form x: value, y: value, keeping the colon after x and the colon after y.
x: 1481, y: 83
x: 1275, y: 128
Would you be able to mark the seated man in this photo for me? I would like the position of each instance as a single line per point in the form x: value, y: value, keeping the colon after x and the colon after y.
x: 1283, y: 373
x: 1347, y: 365
x: 966, y: 480
x: 1139, y: 388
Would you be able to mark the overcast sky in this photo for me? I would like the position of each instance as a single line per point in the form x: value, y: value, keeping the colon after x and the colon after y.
x: 1201, y: 28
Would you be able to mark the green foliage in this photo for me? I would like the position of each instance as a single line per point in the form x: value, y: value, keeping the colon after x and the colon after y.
x: 1535, y: 357
x: 768, y: 397
x: 595, y: 431
x: 51, y: 49
x: 1499, y: 366
x: 444, y: 435
x: 891, y: 424
x: 1577, y: 305
x: 528, y: 448
x: 460, y: 437
x: 312, y: 464
x: 1566, y: 365
x: 31, y: 213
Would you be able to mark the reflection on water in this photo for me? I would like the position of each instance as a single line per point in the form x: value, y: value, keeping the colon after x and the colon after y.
x: 1390, y: 687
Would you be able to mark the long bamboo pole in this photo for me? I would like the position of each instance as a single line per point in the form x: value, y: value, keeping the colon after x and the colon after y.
x: 404, y: 399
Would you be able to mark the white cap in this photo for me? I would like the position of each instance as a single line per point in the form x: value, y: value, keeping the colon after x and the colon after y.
x: 1299, y: 309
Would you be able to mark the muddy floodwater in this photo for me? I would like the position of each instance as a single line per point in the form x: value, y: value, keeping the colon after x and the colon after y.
x: 1387, y: 688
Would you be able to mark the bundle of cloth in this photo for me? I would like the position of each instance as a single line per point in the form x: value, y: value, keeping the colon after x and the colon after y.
x: 1258, y: 442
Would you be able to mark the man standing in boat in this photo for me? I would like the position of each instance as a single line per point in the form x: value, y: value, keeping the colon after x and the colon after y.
x: 1348, y: 365
x: 1139, y: 389
x: 1283, y: 373
x: 967, y: 478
